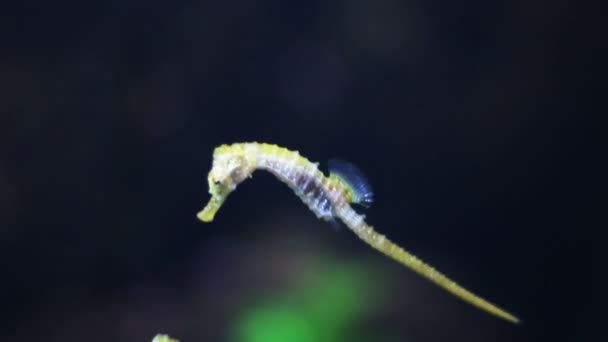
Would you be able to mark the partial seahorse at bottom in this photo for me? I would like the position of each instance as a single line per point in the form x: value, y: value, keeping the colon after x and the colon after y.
x: 329, y: 198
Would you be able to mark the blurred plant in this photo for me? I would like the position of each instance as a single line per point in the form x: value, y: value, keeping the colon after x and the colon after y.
x: 325, y: 307
x: 163, y: 338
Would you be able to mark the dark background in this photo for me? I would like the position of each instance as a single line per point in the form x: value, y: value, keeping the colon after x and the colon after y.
x: 467, y: 117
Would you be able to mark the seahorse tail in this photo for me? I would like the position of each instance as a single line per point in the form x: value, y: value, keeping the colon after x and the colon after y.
x: 381, y: 243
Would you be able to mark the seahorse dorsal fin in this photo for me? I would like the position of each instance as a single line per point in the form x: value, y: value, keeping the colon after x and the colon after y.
x: 354, y: 181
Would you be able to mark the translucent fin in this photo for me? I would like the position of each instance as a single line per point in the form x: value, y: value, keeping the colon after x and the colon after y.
x: 336, y: 224
x: 353, y: 179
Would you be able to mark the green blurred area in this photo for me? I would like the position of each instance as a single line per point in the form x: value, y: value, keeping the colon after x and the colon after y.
x: 163, y: 338
x: 324, y: 306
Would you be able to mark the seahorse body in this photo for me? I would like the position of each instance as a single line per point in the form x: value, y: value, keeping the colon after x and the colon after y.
x: 327, y: 197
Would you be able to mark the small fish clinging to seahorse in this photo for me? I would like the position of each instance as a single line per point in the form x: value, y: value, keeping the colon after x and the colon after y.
x: 328, y: 197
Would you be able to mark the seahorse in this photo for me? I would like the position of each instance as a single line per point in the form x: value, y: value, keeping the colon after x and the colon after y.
x: 329, y: 198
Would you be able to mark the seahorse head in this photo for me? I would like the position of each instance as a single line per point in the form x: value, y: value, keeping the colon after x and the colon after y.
x: 231, y: 165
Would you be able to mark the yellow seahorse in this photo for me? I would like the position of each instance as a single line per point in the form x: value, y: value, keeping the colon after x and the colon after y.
x: 328, y: 197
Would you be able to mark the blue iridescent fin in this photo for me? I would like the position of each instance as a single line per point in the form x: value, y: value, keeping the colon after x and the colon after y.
x: 354, y: 180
